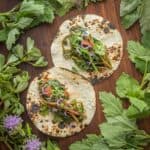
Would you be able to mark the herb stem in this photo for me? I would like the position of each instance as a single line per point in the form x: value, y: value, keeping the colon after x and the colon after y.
x: 145, y: 72
x: 4, y: 140
x: 10, y: 11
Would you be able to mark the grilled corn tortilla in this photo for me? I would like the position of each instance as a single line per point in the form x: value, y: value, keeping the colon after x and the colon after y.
x: 100, y: 29
x: 77, y: 87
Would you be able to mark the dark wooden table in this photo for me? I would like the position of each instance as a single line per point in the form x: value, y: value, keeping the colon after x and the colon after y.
x: 43, y: 36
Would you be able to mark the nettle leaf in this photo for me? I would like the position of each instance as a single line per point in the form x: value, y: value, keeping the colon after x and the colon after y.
x: 12, y: 37
x: 2, y: 61
x: 112, y: 105
x: 127, y: 86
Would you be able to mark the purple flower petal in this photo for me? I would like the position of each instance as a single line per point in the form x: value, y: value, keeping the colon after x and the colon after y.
x: 33, y: 144
x: 12, y: 122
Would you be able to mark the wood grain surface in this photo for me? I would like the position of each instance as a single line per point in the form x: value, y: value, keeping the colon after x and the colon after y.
x: 43, y: 36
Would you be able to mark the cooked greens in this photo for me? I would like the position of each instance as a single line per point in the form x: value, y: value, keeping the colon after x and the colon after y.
x: 55, y: 99
x: 88, y: 53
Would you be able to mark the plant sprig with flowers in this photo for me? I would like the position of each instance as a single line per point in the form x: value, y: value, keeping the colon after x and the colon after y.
x: 13, y: 133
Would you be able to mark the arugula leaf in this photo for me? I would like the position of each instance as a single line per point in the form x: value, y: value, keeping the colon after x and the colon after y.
x: 139, y: 55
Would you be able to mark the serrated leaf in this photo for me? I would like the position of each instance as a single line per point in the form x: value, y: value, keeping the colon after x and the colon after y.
x: 127, y: 87
x: 24, y: 22
x: 112, y: 105
x: 12, y: 37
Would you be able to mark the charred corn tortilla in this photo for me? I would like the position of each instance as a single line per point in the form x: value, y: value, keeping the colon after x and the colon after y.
x: 100, y: 29
x: 77, y: 87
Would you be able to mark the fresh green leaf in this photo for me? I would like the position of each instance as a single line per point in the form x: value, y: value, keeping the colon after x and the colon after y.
x: 127, y: 87
x: 129, y: 19
x: 12, y: 37
x: 2, y: 61
x: 21, y: 82
x: 139, y: 55
x: 24, y: 22
x: 40, y: 62
x: 112, y: 105
x: 128, y: 6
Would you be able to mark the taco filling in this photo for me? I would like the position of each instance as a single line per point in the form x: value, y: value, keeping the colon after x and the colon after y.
x: 88, y: 53
x: 56, y: 100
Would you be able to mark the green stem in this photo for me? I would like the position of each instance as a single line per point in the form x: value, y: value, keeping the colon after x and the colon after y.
x: 10, y: 11
x: 5, y: 141
x: 145, y: 72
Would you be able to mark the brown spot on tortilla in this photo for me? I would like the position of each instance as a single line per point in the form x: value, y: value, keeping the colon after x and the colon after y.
x: 61, y: 125
x: 106, y: 30
x: 111, y: 26
x: 34, y: 108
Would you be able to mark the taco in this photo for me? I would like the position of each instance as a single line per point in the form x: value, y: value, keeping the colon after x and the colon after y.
x: 60, y: 103
x: 88, y: 45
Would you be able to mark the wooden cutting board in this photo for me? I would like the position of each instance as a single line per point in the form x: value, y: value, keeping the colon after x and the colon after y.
x: 43, y: 36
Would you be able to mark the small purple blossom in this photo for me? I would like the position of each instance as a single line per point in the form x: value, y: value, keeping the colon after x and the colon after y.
x: 33, y: 144
x: 12, y: 122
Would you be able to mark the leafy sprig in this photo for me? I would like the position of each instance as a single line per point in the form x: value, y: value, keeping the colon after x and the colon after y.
x: 31, y: 13
x: 134, y: 10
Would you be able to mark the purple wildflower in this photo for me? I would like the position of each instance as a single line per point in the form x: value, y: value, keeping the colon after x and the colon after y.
x: 12, y: 122
x: 33, y: 144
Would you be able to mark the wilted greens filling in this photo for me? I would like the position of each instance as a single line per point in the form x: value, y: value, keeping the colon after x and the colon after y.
x: 87, y: 52
x: 56, y: 100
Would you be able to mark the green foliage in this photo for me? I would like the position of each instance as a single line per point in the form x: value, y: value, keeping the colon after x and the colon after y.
x: 139, y: 55
x: 133, y: 10
x: 30, y: 13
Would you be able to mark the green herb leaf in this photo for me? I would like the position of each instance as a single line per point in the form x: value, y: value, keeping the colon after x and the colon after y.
x: 112, y: 105
x: 2, y: 61
x: 127, y: 87
x: 12, y: 37
x: 139, y: 55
